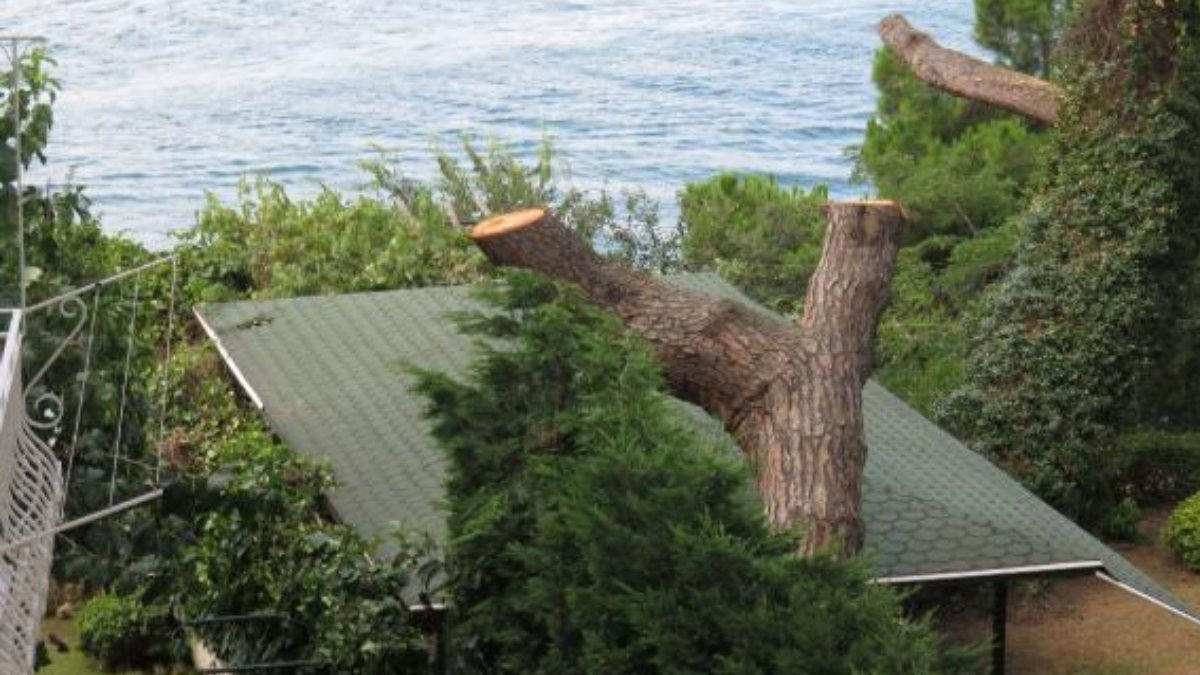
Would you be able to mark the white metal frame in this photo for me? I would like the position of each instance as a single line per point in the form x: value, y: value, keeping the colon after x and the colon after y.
x: 232, y: 365
x: 31, y: 502
x: 1104, y: 576
x: 1026, y: 570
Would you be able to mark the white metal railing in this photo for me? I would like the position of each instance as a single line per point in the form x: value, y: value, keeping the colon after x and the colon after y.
x: 31, y: 498
x: 35, y: 417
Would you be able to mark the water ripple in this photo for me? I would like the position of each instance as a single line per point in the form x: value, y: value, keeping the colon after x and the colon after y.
x: 164, y: 101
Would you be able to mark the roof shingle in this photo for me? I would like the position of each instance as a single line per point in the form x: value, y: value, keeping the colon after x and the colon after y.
x: 329, y: 372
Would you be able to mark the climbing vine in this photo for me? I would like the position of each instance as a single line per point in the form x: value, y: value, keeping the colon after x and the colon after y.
x: 1085, y: 337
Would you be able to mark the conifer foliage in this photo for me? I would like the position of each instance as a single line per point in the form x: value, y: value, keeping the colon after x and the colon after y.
x: 592, y: 532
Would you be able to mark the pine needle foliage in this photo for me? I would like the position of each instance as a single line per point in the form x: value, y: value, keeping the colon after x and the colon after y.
x: 760, y: 235
x: 591, y: 532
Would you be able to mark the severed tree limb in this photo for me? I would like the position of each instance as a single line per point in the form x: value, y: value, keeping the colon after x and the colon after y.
x: 967, y: 76
x: 791, y: 395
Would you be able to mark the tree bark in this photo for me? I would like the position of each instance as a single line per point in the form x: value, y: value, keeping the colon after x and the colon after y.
x: 967, y: 76
x: 791, y: 395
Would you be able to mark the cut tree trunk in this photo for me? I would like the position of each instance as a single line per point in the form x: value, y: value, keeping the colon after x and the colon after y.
x: 967, y: 76
x: 791, y: 395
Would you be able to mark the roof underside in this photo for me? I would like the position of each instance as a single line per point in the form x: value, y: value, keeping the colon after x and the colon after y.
x: 328, y: 373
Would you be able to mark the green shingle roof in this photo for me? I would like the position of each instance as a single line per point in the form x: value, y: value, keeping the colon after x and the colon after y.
x: 328, y: 375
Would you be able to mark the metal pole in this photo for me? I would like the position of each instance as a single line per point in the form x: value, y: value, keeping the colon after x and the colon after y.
x: 999, y: 624
x: 79, y: 522
x: 15, y: 101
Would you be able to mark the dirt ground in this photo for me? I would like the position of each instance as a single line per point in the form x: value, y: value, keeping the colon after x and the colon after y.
x: 1085, y: 626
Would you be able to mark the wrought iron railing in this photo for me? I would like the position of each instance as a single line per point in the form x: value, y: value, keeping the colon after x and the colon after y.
x: 31, y: 498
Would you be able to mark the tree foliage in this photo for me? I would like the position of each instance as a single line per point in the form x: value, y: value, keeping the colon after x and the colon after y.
x: 122, y: 631
x: 962, y: 171
x: 1070, y: 350
x: 591, y: 532
x: 761, y: 236
x: 959, y: 167
x: 65, y: 248
x: 1023, y: 33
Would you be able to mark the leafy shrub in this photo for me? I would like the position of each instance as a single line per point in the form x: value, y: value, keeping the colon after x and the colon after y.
x: 1163, y: 466
x: 1183, y: 532
x: 122, y: 631
x: 592, y: 533
x: 270, y: 245
x: 323, y: 592
x: 483, y: 183
x: 761, y: 236
x: 399, y: 233
x: 1121, y: 520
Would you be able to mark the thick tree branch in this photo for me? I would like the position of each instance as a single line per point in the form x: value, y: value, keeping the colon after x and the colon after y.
x: 684, y: 327
x: 848, y: 290
x: 790, y: 395
x: 967, y: 76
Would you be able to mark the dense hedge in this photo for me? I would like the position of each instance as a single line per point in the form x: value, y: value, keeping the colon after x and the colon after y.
x: 1161, y: 467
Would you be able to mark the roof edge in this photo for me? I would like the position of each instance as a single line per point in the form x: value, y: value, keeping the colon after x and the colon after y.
x: 1025, y: 570
x: 1103, y: 575
x: 229, y: 362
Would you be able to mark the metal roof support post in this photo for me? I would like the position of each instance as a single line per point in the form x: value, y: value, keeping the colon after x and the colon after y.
x: 999, y: 624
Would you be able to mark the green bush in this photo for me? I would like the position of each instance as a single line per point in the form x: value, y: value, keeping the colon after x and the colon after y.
x: 398, y: 233
x: 1163, y: 466
x: 592, y: 533
x: 1183, y: 532
x: 761, y: 236
x: 1022, y: 32
x: 324, y: 592
x: 1121, y: 521
x: 123, y: 632
x: 272, y: 246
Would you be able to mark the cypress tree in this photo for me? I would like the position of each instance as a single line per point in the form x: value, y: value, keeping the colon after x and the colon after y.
x: 593, y: 532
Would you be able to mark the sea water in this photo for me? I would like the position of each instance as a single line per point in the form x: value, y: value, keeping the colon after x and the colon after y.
x: 165, y: 100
